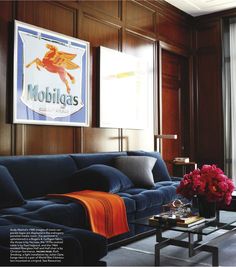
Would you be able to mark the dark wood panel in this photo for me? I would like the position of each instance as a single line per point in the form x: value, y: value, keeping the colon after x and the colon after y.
x: 46, y: 139
x: 98, y: 33
x: 171, y: 123
x: 209, y: 122
x: 24, y: 11
x: 35, y: 140
x: 19, y: 139
x: 55, y: 17
x: 5, y: 77
x: 174, y: 31
x: 48, y: 15
x: 143, y: 48
x: 170, y: 81
x: 98, y: 139
x: 140, y: 16
x: 207, y: 36
x: 110, y: 8
x: 175, y: 106
x: 209, y: 106
x: 171, y: 67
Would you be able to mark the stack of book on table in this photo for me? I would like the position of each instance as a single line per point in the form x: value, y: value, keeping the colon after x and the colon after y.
x: 173, y: 220
x: 181, y: 160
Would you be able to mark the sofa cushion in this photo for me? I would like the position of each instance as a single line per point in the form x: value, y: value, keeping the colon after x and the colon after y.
x: 138, y: 169
x: 85, y: 160
x: 160, y: 172
x: 80, y: 247
x: 100, y: 177
x: 161, y: 193
x: 61, y: 211
x: 58, y: 211
x: 40, y: 175
x: 10, y: 194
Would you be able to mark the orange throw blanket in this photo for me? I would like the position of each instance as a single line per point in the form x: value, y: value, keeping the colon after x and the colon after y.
x: 107, y: 213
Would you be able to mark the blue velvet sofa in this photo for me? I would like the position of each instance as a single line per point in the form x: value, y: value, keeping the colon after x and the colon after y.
x: 28, y: 180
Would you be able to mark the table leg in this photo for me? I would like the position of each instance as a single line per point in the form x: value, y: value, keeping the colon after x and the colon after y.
x: 199, y: 237
x: 158, y: 247
x: 190, y: 244
x: 215, y: 253
x: 159, y: 235
x: 215, y: 257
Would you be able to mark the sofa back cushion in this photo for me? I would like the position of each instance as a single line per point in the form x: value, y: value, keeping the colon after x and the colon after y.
x: 100, y: 177
x: 10, y: 194
x: 40, y: 175
x: 160, y: 172
x: 85, y: 160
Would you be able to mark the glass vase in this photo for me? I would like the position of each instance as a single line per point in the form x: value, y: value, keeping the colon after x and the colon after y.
x: 206, y: 209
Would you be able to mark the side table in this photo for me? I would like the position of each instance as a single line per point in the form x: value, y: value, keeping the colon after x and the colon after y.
x: 181, y: 168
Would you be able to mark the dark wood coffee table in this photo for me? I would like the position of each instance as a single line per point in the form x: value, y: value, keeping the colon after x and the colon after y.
x: 195, y: 235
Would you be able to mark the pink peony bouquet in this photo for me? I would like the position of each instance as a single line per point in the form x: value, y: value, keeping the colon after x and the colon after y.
x: 209, y: 182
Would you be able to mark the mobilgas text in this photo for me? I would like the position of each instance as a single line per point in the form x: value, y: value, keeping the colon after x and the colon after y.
x: 53, y: 96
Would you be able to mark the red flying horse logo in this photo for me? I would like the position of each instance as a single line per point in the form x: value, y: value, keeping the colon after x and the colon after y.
x: 57, y: 61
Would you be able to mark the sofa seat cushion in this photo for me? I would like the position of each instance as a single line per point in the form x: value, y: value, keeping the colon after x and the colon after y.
x: 168, y: 189
x: 161, y: 193
x: 61, y: 211
x: 58, y: 211
x: 130, y: 203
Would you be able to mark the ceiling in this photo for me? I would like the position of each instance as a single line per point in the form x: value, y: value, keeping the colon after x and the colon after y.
x: 202, y: 7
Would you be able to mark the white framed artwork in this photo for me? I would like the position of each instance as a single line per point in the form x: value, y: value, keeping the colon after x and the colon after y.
x: 123, y: 90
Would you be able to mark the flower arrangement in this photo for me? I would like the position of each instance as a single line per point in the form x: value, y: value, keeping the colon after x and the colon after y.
x: 209, y: 182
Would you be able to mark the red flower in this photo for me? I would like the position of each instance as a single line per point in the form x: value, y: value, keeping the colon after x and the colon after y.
x: 209, y: 181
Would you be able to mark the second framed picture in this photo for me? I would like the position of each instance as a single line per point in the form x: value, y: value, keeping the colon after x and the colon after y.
x: 123, y: 90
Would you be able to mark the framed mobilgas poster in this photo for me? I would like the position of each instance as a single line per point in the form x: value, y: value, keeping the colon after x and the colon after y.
x: 123, y: 90
x: 51, y: 76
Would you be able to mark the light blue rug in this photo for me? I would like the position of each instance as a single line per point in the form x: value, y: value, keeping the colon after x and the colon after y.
x: 141, y: 253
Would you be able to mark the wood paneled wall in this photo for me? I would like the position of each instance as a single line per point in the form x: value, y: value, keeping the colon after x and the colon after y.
x: 209, y: 145
x: 131, y: 26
